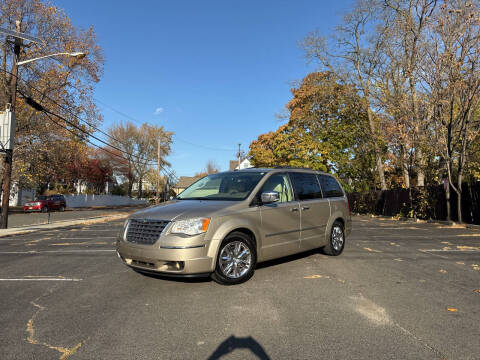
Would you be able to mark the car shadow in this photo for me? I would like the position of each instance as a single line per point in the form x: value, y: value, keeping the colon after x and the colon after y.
x: 289, y: 258
x: 205, y: 278
x: 200, y: 279
x: 232, y: 343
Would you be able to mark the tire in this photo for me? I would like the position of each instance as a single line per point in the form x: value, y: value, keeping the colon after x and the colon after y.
x: 240, y: 249
x: 62, y: 208
x: 44, y: 209
x: 336, y: 243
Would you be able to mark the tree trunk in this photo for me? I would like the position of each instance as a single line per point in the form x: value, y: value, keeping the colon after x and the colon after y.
x: 140, y: 184
x: 420, y: 172
x: 447, y: 196
x: 404, y: 164
x: 459, y: 198
x: 378, y: 157
x: 130, y: 186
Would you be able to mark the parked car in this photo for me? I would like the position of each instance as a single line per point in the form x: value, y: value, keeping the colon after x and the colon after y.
x: 226, y: 223
x: 46, y: 203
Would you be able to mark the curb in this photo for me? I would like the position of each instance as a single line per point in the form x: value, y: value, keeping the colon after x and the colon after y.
x: 60, y: 224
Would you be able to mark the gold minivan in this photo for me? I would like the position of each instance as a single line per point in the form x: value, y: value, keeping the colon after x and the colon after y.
x: 224, y: 224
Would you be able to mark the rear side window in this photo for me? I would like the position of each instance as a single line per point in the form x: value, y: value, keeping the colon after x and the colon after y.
x: 306, y: 186
x: 330, y: 186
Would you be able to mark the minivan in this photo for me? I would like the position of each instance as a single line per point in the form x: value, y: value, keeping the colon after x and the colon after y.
x: 224, y: 224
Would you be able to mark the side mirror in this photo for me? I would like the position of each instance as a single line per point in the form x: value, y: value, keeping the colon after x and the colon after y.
x: 270, y: 197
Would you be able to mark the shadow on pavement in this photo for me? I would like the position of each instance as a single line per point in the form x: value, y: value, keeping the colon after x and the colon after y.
x: 232, y: 343
x: 288, y: 259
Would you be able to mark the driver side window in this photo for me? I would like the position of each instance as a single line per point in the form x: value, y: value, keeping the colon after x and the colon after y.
x: 281, y: 184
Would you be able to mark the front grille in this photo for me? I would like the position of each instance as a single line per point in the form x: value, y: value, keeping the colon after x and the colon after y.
x: 145, y: 231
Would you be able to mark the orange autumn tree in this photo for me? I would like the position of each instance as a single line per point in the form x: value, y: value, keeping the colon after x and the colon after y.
x: 63, y: 85
x: 327, y: 131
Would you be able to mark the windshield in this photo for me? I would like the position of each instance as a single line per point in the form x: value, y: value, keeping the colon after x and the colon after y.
x: 223, y: 186
x: 41, y: 197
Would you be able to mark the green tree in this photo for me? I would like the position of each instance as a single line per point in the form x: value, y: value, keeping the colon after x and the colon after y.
x: 327, y: 131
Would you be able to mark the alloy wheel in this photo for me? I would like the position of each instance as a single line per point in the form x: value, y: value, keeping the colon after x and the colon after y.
x: 235, y: 259
x: 337, y: 238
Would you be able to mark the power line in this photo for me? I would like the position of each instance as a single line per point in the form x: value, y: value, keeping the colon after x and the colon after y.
x: 40, y: 107
x: 67, y: 109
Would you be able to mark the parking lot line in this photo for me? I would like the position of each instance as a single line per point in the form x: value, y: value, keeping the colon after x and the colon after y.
x: 55, y: 251
x: 41, y: 279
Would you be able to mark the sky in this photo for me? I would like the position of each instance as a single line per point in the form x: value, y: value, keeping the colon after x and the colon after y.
x: 215, y: 73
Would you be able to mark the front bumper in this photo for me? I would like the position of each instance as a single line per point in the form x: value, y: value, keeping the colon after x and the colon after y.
x: 169, y: 257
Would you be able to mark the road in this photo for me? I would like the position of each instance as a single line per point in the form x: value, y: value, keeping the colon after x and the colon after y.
x: 36, y: 218
x: 399, y: 291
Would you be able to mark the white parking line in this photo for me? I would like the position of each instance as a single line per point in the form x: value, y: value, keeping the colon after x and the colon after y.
x: 451, y: 250
x: 41, y: 279
x: 55, y: 251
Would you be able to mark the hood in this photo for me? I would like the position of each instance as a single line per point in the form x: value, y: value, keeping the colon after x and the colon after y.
x: 185, y: 209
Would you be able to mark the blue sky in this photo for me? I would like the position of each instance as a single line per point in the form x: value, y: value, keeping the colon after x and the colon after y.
x: 213, y: 72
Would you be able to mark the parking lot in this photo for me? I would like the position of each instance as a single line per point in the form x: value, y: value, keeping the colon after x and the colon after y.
x: 399, y: 291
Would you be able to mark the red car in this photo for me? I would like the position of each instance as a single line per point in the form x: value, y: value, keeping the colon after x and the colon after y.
x: 46, y: 203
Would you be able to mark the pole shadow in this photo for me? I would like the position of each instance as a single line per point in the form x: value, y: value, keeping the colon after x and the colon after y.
x: 232, y: 343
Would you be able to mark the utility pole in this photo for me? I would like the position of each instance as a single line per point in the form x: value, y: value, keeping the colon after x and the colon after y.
x: 239, y: 155
x: 7, y: 162
x: 158, y: 171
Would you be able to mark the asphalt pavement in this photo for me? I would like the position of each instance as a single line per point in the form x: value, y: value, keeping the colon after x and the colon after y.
x: 399, y: 291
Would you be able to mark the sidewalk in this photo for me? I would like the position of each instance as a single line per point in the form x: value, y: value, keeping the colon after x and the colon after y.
x: 60, y: 224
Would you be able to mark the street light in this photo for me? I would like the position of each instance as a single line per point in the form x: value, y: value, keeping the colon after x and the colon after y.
x: 75, y: 54
x: 7, y: 165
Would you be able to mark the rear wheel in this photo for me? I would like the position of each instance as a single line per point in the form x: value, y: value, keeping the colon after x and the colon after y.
x: 236, y: 260
x: 337, y: 240
x: 62, y: 208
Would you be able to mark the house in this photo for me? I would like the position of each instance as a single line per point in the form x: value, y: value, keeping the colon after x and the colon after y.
x: 184, y: 182
x: 244, y: 164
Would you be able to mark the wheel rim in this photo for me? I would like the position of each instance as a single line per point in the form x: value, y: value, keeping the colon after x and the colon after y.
x: 235, y: 259
x: 337, y: 237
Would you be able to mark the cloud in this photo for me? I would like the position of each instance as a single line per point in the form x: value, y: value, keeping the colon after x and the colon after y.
x: 158, y: 111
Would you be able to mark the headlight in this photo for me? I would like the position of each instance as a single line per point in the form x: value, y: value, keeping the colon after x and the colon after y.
x: 191, y: 226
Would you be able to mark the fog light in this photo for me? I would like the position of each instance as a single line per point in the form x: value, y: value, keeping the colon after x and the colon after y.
x: 175, y: 265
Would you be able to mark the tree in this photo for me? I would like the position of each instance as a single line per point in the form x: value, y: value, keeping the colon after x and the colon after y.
x: 210, y: 168
x: 138, y: 150
x: 327, y: 131
x: 355, y: 57
x: 453, y: 79
x: 63, y: 86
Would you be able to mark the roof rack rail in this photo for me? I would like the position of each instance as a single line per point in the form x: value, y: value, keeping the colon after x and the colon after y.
x: 292, y: 167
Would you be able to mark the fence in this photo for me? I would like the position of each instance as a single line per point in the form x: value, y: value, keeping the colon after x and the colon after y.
x: 75, y: 201
x: 424, y: 203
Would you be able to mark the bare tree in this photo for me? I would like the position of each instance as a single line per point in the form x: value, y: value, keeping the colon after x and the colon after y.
x: 358, y: 54
x: 453, y: 79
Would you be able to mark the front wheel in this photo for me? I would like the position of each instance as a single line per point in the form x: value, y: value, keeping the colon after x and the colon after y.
x: 44, y: 209
x: 337, y: 240
x: 236, y: 260
x: 62, y: 208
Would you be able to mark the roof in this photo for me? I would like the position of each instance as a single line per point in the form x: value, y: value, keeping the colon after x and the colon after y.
x: 186, y: 181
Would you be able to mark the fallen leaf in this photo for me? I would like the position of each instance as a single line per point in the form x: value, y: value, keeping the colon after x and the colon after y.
x: 443, y: 271
x: 452, y: 309
x: 372, y: 250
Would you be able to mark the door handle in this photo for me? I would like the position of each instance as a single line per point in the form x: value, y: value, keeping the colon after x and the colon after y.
x: 294, y: 209
x: 305, y: 208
